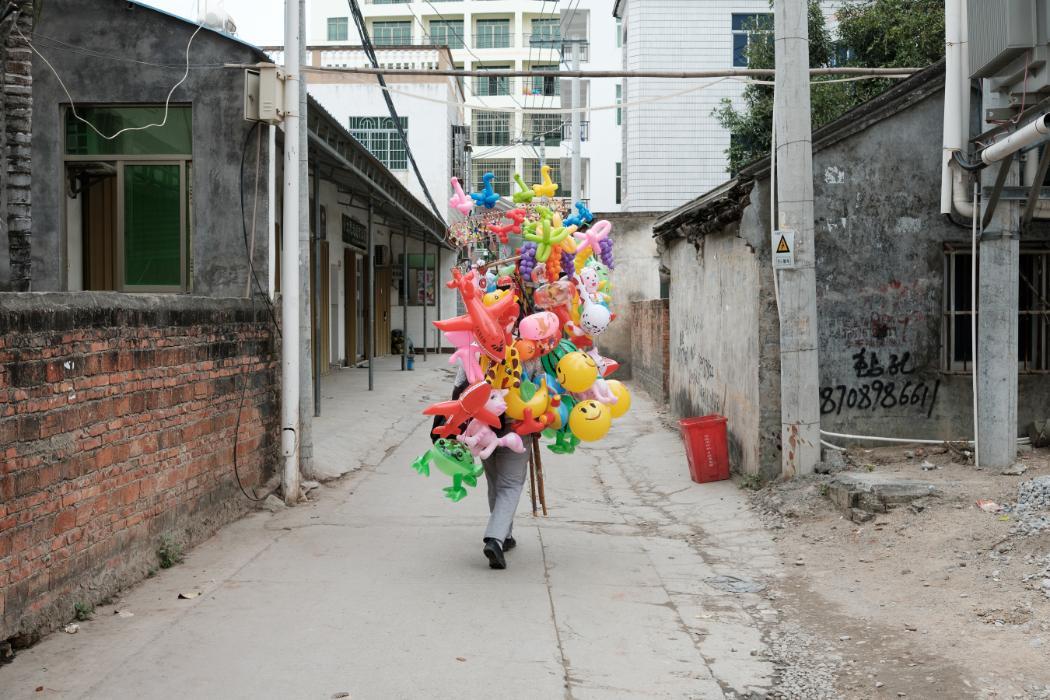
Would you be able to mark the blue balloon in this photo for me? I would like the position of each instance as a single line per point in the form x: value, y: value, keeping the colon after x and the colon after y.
x: 487, y: 197
x: 583, y: 216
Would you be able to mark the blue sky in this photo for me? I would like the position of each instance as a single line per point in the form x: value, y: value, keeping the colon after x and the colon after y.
x: 260, y: 22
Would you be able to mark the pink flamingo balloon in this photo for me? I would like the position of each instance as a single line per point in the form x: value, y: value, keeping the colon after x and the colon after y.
x: 460, y: 201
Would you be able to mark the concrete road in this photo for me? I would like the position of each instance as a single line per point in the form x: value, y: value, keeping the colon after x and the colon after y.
x: 378, y: 587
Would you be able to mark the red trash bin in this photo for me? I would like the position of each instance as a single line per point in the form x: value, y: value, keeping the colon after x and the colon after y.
x: 706, y: 447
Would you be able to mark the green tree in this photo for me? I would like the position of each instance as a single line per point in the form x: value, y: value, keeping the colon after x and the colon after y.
x: 871, y: 33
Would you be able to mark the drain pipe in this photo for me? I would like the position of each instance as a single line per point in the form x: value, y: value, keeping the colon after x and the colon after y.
x: 953, y: 134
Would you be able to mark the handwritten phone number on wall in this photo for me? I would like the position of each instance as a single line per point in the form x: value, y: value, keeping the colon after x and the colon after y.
x: 879, y: 395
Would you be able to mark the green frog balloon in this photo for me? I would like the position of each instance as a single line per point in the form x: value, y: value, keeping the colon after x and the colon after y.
x: 455, y: 460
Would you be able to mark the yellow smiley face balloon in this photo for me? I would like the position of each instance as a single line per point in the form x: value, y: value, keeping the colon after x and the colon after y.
x: 577, y: 371
x: 590, y: 420
x: 623, y: 397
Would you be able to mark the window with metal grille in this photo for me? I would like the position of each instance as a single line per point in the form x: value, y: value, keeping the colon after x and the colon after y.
x: 487, y: 87
x: 619, y: 182
x: 619, y: 100
x: 491, y: 128
x: 380, y: 137
x: 1033, y: 320
x: 544, y: 128
x: 543, y: 85
x: 534, y: 175
x: 447, y: 32
x: 503, y: 169
x: 391, y: 33
x: 338, y: 29
x: 746, y: 28
x: 492, y: 34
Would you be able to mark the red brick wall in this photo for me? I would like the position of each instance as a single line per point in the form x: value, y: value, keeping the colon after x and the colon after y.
x: 650, y: 346
x: 117, y: 421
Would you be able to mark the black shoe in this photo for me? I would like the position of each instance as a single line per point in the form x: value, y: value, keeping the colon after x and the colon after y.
x: 509, y: 544
x: 495, y: 554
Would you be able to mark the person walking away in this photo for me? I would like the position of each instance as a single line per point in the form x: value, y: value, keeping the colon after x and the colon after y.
x: 505, y: 474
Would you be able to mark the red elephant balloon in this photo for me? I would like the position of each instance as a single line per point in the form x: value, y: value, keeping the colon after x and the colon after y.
x: 485, y: 322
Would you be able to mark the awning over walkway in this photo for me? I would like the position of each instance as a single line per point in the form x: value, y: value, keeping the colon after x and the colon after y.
x: 342, y: 159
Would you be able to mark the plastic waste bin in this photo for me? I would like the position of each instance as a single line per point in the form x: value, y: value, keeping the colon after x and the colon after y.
x: 706, y: 447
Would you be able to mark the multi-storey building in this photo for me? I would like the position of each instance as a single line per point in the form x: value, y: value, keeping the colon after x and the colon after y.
x: 512, y: 129
x: 675, y: 148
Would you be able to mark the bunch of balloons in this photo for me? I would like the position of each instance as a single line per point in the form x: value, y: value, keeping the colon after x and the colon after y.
x: 527, y: 344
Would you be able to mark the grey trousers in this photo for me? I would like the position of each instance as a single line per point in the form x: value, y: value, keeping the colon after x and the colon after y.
x: 505, y: 472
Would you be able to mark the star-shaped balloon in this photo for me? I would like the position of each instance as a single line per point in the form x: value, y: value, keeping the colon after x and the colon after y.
x: 545, y: 237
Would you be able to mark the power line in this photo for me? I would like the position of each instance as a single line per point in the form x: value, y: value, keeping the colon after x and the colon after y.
x: 722, y: 73
x: 366, y: 43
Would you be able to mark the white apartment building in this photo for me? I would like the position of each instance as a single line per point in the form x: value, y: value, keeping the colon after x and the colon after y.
x: 507, y: 34
x: 674, y: 149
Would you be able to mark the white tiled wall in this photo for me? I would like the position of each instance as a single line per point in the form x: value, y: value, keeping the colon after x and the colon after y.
x: 674, y: 149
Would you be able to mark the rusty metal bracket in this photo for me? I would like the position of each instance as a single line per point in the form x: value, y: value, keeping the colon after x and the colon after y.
x: 997, y: 189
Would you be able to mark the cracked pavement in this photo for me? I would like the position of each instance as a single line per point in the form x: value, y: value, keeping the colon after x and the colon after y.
x: 378, y: 587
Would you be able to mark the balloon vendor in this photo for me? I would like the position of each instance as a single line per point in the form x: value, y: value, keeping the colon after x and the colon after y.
x: 526, y: 351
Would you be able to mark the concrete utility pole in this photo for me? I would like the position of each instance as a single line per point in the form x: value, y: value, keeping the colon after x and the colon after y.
x: 996, y: 368
x: 290, y: 262
x: 799, y: 372
x: 577, y: 175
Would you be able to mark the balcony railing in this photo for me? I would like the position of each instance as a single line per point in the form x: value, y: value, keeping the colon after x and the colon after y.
x: 492, y: 40
x: 541, y: 41
x: 566, y: 130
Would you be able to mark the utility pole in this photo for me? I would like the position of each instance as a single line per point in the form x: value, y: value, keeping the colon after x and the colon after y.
x: 997, y: 305
x: 577, y: 175
x: 290, y: 262
x: 799, y: 371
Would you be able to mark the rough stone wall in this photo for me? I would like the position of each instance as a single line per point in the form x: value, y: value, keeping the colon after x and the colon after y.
x: 16, y: 113
x: 715, y: 338
x: 635, y: 277
x: 117, y: 425
x: 650, y: 346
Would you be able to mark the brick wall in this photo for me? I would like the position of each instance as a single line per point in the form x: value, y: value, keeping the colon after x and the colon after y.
x: 650, y: 346
x: 16, y: 113
x: 117, y: 423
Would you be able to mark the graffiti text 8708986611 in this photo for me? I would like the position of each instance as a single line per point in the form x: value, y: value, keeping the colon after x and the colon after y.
x: 886, y: 387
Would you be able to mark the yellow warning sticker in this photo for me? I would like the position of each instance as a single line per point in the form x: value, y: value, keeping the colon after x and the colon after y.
x: 782, y: 247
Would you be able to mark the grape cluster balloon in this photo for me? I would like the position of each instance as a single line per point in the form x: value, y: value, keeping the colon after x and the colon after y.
x: 528, y: 261
x: 606, y: 247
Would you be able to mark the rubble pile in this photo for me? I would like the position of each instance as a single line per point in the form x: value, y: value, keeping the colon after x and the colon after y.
x: 1032, y: 510
x: 1040, y: 579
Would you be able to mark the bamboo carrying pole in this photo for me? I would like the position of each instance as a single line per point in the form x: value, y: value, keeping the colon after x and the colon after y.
x: 532, y: 479
x: 538, y: 462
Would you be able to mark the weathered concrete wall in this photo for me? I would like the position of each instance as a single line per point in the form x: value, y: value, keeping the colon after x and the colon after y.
x: 219, y: 129
x: 880, y: 284
x: 651, y: 346
x: 714, y: 363
x: 635, y: 278
x: 880, y: 276
x: 118, y: 416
